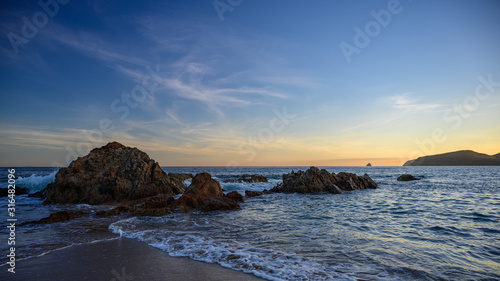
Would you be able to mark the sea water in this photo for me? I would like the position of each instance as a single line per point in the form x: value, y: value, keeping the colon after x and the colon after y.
x: 445, y: 226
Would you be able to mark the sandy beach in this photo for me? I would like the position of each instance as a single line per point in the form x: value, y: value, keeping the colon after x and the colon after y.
x: 118, y: 260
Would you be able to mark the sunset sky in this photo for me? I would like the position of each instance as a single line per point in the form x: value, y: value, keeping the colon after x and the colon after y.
x: 250, y: 83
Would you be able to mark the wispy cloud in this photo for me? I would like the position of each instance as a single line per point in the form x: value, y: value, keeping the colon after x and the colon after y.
x: 406, y: 103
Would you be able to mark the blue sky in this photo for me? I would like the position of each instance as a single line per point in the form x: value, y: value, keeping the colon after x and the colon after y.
x: 249, y: 82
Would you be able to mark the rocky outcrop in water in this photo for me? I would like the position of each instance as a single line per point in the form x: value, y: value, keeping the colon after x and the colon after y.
x: 251, y: 193
x: 315, y: 180
x: 407, y: 177
x: 369, y: 165
x: 112, y: 173
x: 205, y: 194
x: 247, y: 178
x: 57, y: 217
x: 236, y: 196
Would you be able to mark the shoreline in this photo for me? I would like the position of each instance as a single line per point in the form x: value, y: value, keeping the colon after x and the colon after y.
x: 118, y: 259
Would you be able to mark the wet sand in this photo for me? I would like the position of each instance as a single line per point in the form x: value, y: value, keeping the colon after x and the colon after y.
x: 118, y: 260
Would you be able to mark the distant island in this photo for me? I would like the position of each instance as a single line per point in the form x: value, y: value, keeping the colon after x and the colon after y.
x: 457, y: 158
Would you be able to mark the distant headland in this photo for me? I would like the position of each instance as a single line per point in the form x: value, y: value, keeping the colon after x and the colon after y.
x: 456, y: 158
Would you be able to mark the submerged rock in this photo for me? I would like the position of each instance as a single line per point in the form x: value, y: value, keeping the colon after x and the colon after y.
x: 112, y: 173
x: 58, y: 217
x: 315, y: 180
x: 407, y: 177
x: 247, y: 178
x: 205, y: 194
x: 250, y: 193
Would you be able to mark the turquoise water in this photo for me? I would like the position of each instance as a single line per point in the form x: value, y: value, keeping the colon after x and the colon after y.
x: 443, y: 227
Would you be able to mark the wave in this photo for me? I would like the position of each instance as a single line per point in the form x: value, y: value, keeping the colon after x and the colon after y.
x: 34, y: 182
x: 184, y: 239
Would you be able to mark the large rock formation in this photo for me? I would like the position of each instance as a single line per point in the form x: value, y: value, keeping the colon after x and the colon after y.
x: 112, y: 173
x: 205, y: 194
x: 315, y: 180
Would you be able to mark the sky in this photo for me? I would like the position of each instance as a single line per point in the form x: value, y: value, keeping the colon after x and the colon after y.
x: 249, y: 83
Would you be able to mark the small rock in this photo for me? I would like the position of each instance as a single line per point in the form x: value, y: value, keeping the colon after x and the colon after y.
x: 201, y: 188
x: 407, y: 177
x: 250, y: 193
x: 235, y: 195
x: 58, y: 217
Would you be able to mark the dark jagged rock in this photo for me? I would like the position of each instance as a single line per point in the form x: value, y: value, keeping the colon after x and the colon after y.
x: 247, y: 178
x: 4, y: 192
x: 315, y: 180
x: 407, y: 177
x: 369, y: 165
x: 112, y: 173
x: 250, y: 193
x: 350, y: 181
x: 235, y: 195
x: 205, y: 194
x: 58, y: 217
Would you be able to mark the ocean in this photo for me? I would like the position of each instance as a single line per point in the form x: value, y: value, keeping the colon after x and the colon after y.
x: 445, y: 226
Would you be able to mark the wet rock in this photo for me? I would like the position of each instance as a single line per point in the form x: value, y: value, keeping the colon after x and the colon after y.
x: 112, y: 173
x: 407, y: 177
x: 58, y: 217
x: 115, y: 211
x: 235, y: 195
x: 247, y: 178
x: 201, y: 188
x: 219, y: 203
x: 250, y: 193
x: 315, y: 180
x: 4, y: 192
x: 350, y: 181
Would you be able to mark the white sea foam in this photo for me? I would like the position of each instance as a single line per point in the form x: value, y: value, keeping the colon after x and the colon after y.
x: 195, y: 241
x: 35, y: 182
